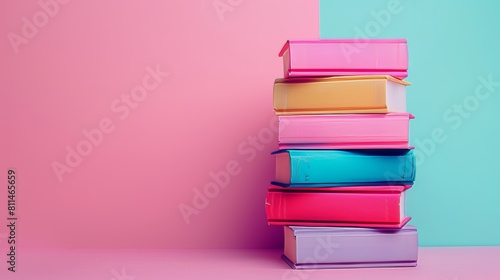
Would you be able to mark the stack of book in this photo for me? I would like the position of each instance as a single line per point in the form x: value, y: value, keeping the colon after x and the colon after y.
x: 344, y: 162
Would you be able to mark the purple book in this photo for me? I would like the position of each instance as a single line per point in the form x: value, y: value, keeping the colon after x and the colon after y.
x: 343, y: 247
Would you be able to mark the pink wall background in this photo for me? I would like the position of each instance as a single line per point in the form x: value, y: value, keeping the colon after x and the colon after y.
x: 70, y: 76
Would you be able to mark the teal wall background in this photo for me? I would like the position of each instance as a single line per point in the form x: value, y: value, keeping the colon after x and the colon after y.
x: 454, y: 68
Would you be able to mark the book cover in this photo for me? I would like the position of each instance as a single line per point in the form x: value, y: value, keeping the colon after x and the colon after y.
x: 345, y: 247
x: 339, y: 95
x: 356, y: 206
x: 327, y: 168
x: 340, y: 57
x: 344, y: 131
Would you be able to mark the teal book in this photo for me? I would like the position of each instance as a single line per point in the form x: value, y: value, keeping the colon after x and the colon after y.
x: 330, y: 168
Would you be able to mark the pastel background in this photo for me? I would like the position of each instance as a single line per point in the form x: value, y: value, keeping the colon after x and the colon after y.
x: 212, y: 115
x: 452, y: 44
x: 222, y: 58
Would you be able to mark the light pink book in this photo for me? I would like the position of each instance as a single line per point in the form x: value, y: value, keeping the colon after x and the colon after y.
x: 345, y: 57
x: 344, y: 131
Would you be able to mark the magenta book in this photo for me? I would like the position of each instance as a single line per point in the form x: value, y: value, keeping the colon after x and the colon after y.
x: 354, y: 206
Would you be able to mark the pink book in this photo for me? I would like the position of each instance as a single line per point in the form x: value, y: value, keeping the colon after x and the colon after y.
x: 344, y: 131
x: 345, y: 57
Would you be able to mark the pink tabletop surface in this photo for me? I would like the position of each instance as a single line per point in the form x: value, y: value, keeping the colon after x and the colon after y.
x: 452, y: 263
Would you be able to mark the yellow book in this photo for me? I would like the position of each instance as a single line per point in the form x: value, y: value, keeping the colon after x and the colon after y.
x: 339, y: 95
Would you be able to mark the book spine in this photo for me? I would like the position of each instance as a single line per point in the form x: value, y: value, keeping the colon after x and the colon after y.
x: 332, y: 97
x: 344, y: 129
x: 342, y: 167
x: 356, y: 248
x: 377, y: 208
x: 375, y: 56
